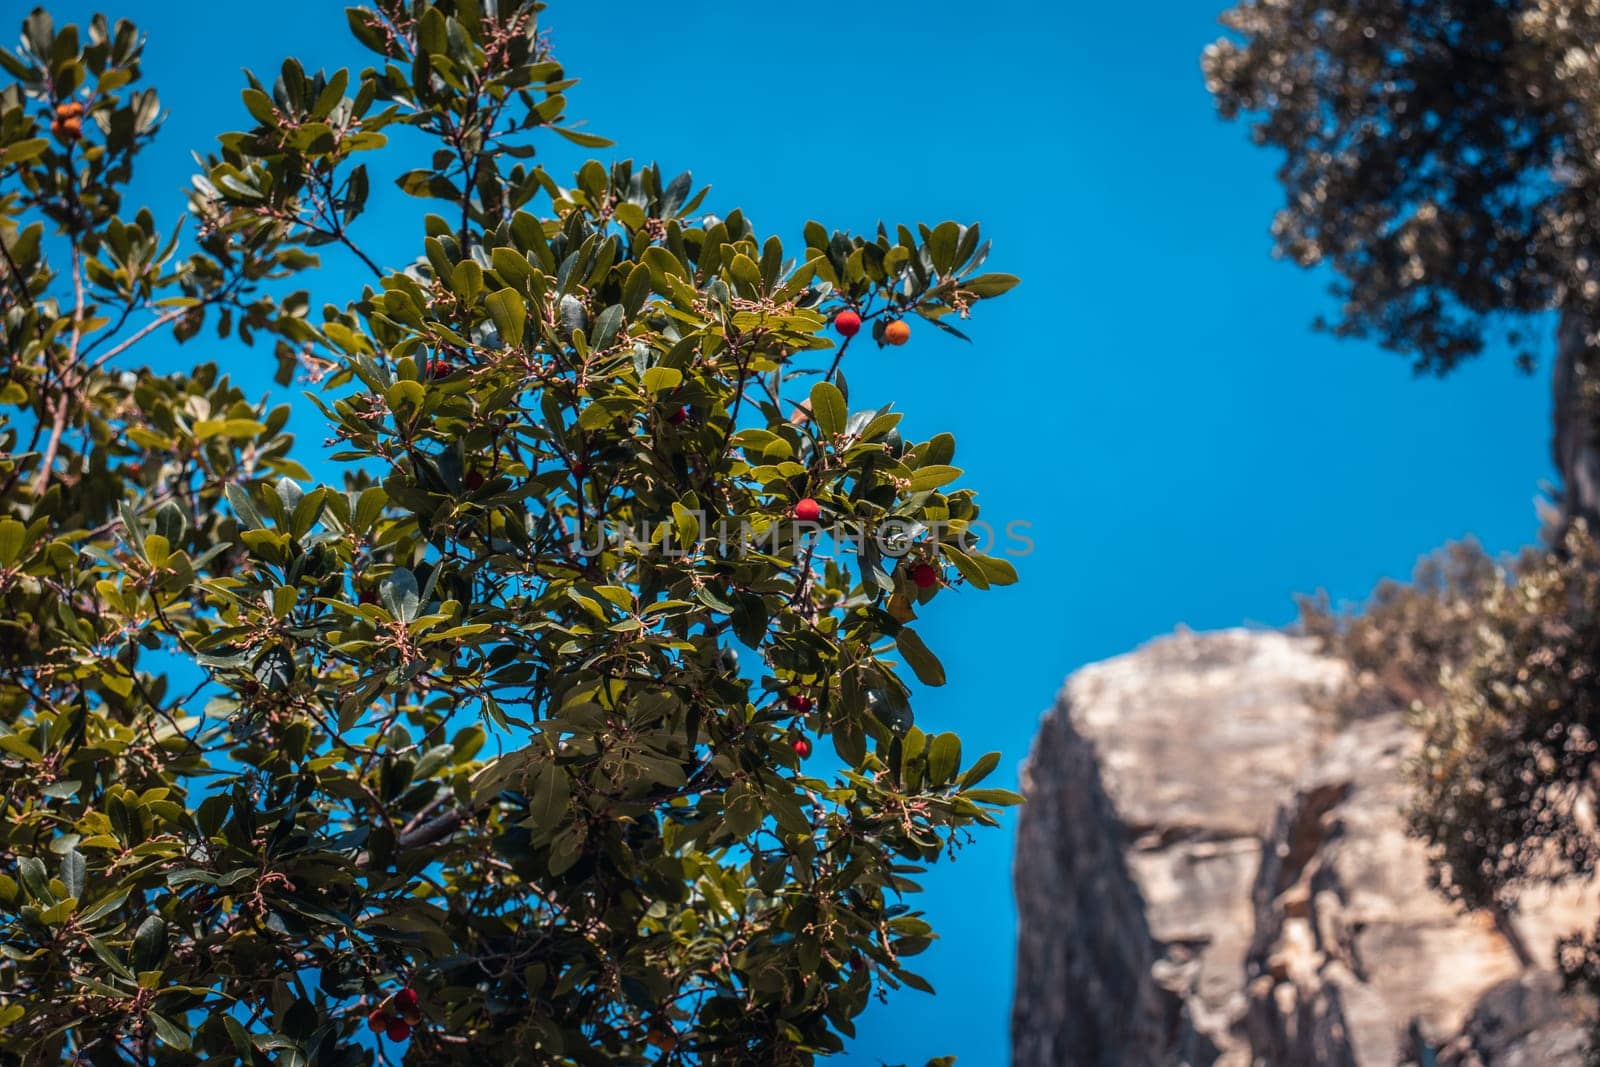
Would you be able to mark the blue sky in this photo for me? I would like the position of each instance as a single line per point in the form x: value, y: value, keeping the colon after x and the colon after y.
x: 1153, y: 401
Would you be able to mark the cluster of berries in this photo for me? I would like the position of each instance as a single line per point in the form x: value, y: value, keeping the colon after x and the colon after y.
x: 895, y: 332
x: 396, y: 1021
x: 67, y: 126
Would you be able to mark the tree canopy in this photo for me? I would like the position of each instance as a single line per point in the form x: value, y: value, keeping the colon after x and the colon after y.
x: 422, y: 743
x: 1440, y: 157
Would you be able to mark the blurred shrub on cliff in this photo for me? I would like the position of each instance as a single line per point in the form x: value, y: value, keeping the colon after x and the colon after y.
x: 1397, y: 642
x: 1498, y: 665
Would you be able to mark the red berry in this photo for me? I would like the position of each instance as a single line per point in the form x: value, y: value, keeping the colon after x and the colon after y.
x: 398, y: 1030
x: 848, y: 323
x: 366, y: 596
x: 801, y: 746
x: 439, y: 368
x: 897, y: 332
x: 579, y: 469
x: 800, y: 702
x: 808, y: 510
x: 406, y: 1000
x: 378, y: 1021
x: 473, y: 481
x: 677, y: 418
x: 924, y: 575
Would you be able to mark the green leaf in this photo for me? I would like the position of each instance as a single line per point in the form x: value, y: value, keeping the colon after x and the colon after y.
x: 511, y: 265
x: 547, y: 807
x: 369, y: 506
x: 741, y: 810
x: 658, y: 380
x: 169, y: 1032
x: 980, y: 769
x: 924, y: 478
x: 997, y: 571
x: 1004, y: 798
x: 606, y: 326
x: 917, y: 654
x: 35, y: 879
x: 509, y: 311
x: 400, y: 595
x: 243, y: 507
x: 104, y: 908
x: 466, y: 280
x: 23, y: 151
x: 944, y: 757
x: 583, y: 140
x: 849, y: 742
x: 259, y: 104
x: 150, y: 944
x: 987, y: 285
x: 565, y: 849
x: 828, y: 408
x: 74, y: 870
x: 12, y: 533
x: 942, y: 244
x: 431, y: 33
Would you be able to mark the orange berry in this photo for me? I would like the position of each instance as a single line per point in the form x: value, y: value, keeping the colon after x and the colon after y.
x: 897, y: 332
x: 378, y: 1021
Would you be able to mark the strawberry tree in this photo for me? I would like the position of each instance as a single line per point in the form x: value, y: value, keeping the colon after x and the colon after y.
x: 532, y: 725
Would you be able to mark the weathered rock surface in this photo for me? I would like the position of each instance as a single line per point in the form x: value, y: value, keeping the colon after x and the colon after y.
x: 1211, y: 871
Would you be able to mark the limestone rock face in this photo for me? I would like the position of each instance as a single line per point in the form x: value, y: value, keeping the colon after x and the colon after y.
x: 1212, y: 871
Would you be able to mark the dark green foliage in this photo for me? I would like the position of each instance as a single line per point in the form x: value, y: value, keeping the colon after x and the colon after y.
x: 271, y: 750
x: 1440, y: 157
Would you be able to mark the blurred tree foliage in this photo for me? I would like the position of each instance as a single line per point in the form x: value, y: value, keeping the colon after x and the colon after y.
x: 1439, y: 156
x: 421, y: 744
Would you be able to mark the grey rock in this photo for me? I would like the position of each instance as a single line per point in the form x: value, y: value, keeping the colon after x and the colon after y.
x: 1210, y: 870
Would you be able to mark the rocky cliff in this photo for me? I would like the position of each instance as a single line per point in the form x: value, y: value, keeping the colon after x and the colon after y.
x: 1211, y: 870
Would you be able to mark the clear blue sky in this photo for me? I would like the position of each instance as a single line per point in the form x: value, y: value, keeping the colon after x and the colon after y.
x: 1186, y: 449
